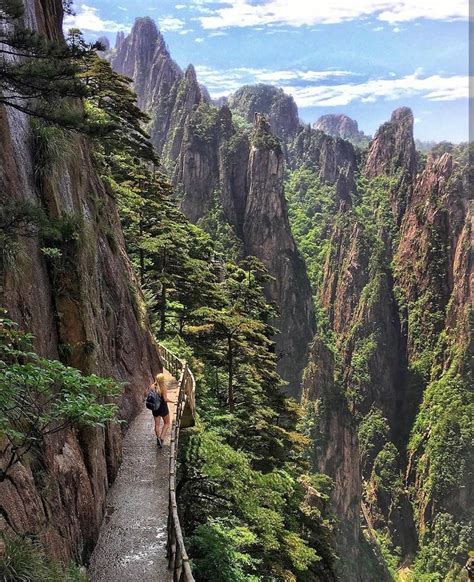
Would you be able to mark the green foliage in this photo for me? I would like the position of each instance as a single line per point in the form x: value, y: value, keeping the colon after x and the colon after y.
x: 265, y: 140
x: 40, y: 397
x: 204, y: 122
x: 373, y: 433
x: 51, y: 147
x: 390, y: 555
x: 386, y: 472
x: 372, y: 206
x: 225, y: 240
x: 311, y: 207
x: 24, y: 560
x: 425, y: 322
x: 219, y: 552
x: 112, y: 113
x: 360, y: 370
x: 39, y: 75
x: 267, y: 508
x: 446, y: 541
x: 441, y: 439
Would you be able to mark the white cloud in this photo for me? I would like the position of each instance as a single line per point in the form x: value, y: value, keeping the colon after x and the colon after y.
x: 243, y: 13
x: 433, y: 88
x: 170, y: 24
x: 315, y: 89
x: 87, y: 18
x: 218, y: 33
x: 224, y: 82
x: 199, y: 39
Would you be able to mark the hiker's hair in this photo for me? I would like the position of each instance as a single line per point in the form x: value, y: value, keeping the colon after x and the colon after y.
x: 160, y: 379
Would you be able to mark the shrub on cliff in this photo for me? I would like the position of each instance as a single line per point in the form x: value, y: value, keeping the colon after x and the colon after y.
x: 40, y: 397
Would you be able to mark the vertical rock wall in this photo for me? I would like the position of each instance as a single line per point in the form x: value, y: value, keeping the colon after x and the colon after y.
x: 93, y: 313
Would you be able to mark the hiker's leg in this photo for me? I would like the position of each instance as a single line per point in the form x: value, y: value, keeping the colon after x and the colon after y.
x: 157, y: 425
x: 166, y: 426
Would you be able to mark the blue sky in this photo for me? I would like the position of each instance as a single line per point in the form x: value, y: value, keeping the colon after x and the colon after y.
x: 363, y: 58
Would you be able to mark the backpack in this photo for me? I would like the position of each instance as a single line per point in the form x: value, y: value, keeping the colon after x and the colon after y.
x: 153, y: 400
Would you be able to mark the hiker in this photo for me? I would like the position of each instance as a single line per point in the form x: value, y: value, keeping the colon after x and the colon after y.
x: 160, y: 409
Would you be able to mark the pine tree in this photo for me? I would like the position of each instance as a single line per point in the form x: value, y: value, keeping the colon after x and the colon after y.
x: 112, y: 112
x: 38, y: 76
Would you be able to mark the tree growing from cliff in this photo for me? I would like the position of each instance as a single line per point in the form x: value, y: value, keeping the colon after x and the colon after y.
x: 40, y: 397
x: 39, y: 76
x: 112, y: 112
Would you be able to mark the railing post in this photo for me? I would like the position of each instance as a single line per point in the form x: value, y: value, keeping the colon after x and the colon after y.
x: 178, y: 561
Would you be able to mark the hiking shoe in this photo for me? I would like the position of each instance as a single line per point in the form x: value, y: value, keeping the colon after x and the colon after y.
x: 159, y: 443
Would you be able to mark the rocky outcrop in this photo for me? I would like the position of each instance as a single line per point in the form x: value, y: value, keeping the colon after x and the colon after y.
x: 396, y: 293
x: 340, y: 125
x: 267, y: 235
x: 119, y: 40
x: 393, y: 147
x: 188, y: 96
x: 392, y: 153
x: 328, y: 156
x: 280, y: 108
x: 247, y: 174
x: 88, y: 313
x: 200, y: 161
x: 144, y: 57
x: 336, y: 455
x: 212, y: 162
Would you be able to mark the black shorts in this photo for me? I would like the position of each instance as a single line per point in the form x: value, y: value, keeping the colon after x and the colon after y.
x: 163, y: 410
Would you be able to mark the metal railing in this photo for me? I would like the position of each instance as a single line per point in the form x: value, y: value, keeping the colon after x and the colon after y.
x: 178, y: 560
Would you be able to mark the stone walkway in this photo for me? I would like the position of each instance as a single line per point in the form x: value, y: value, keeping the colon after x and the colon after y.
x: 132, y: 541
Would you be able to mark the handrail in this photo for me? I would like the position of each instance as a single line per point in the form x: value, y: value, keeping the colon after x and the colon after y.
x: 178, y: 560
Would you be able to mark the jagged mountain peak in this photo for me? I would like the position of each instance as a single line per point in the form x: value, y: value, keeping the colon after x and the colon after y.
x: 190, y: 74
x: 144, y: 57
x: 119, y: 39
x: 146, y: 28
x: 393, y: 147
x: 403, y: 114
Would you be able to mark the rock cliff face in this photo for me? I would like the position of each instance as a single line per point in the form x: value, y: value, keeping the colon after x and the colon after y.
x: 396, y: 293
x: 393, y: 147
x: 89, y: 315
x: 275, y: 103
x: 392, y: 153
x: 438, y: 299
x: 212, y: 162
x: 267, y: 235
x: 144, y: 57
x: 326, y: 155
x: 337, y: 454
x: 340, y: 125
